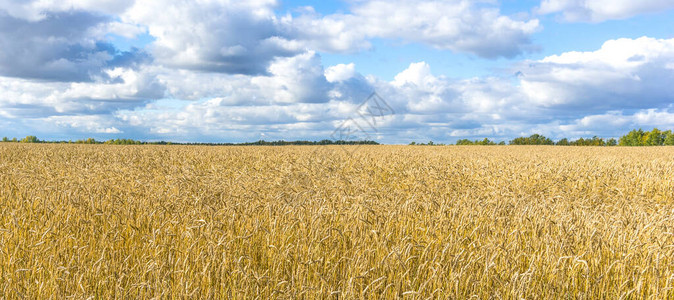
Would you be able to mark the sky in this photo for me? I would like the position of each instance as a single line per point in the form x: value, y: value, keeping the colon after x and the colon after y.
x: 391, y: 71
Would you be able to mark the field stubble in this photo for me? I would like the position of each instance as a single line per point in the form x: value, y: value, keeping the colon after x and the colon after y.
x: 315, y: 222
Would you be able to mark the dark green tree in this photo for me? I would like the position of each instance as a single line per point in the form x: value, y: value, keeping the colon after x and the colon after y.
x: 669, y: 138
x: 633, y: 138
x: 654, y: 137
x: 534, y: 139
x: 30, y: 139
x: 486, y: 142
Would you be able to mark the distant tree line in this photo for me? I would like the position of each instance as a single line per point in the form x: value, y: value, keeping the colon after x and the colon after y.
x: 34, y: 139
x: 538, y: 139
x: 309, y: 143
x: 430, y: 143
x: 484, y: 142
x: 638, y: 137
x: 654, y: 137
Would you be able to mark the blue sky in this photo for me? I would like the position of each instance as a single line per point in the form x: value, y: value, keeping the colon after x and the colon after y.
x: 232, y: 71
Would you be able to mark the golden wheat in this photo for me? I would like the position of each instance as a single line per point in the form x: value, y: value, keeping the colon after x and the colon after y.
x: 317, y: 222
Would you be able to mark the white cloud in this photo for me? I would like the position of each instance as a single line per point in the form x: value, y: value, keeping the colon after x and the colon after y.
x: 602, y: 10
x: 36, y: 10
x: 31, y: 99
x: 662, y: 118
x: 211, y: 118
x: 239, y: 37
x: 81, y: 125
x: 340, y: 72
x: 458, y: 25
x: 620, y: 54
x: 296, y: 79
x: 616, y: 123
x: 624, y: 73
x: 613, y: 119
x: 128, y: 31
x: 62, y: 46
x: 418, y: 74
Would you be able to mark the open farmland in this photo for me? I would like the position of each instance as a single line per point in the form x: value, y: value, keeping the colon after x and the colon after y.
x: 319, y: 222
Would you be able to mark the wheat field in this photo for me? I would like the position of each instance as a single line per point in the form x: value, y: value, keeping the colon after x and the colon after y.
x: 372, y: 222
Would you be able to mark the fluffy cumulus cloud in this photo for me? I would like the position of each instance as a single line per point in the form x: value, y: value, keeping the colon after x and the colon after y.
x: 60, y: 46
x: 289, y: 80
x: 35, y: 10
x: 459, y: 25
x: 602, y: 10
x: 23, y: 98
x: 340, y: 72
x: 227, y: 36
x: 624, y: 73
x: 611, y: 122
x: 90, y: 123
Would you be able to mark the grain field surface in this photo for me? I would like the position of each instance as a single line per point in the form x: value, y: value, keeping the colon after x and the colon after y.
x: 312, y: 222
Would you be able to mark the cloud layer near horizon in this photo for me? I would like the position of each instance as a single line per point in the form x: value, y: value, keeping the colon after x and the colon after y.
x: 601, y: 10
x: 240, y: 71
